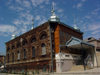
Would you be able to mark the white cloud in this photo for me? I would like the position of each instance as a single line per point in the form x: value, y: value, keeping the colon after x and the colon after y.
x: 16, y: 8
x: 37, y: 17
x: 19, y: 5
x: 24, y: 19
x: 88, y: 17
x: 95, y: 11
x: 26, y: 4
x: 38, y: 2
x: 60, y: 10
x: 6, y: 30
x: 41, y: 19
x: 83, y: 0
x: 80, y: 4
x: 93, y: 27
x: 23, y: 22
x: 24, y: 29
x: 95, y: 32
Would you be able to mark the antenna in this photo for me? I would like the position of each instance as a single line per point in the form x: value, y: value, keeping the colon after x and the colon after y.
x: 32, y: 23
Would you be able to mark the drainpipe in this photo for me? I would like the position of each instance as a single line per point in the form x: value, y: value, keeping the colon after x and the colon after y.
x: 51, y: 49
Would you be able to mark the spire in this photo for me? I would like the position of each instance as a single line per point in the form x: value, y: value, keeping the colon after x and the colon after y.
x: 32, y: 23
x: 13, y: 35
x: 75, y: 25
x: 53, y: 10
x: 53, y: 16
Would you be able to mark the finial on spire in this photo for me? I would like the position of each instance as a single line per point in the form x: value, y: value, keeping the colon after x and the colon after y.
x: 32, y: 23
x: 53, y: 11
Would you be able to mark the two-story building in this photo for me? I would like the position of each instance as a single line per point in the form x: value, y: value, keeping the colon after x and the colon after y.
x: 52, y: 46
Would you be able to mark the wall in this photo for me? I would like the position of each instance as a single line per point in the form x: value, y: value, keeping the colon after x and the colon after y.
x: 37, y: 44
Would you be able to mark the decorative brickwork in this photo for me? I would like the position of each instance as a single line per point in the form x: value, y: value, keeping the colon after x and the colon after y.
x: 20, y: 51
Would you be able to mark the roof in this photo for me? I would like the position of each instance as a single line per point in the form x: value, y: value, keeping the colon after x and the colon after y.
x: 61, y: 23
x: 28, y: 31
x: 71, y: 27
x: 49, y: 24
x: 90, y: 39
x: 78, y: 43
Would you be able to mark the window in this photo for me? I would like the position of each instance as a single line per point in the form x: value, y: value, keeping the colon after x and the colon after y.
x: 18, y: 57
x: 12, y: 57
x: 43, y: 49
x: 43, y: 35
x: 13, y: 47
x: 33, y: 39
x: 24, y: 42
x: 98, y: 50
x: 8, y: 58
x: 18, y: 44
x: 33, y: 51
x: 24, y: 53
x: 8, y: 48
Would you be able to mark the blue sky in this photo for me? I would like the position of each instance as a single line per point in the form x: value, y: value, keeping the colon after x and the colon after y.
x: 16, y: 16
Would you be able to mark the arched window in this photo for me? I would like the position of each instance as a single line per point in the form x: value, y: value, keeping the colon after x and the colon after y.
x: 13, y: 47
x: 18, y: 55
x: 33, y: 39
x: 43, y: 35
x: 24, y: 53
x: 12, y: 57
x: 33, y: 51
x: 18, y: 44
x: 43, y: 49
x: 24, y: 42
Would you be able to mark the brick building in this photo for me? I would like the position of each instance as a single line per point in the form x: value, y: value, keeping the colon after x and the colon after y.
x: 40, y: 48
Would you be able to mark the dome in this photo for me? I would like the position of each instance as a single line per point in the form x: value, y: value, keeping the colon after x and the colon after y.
x: 76, y: 28
x: 13, y: 36
x: 54, y: 18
